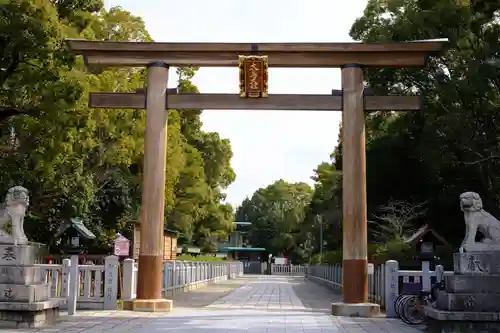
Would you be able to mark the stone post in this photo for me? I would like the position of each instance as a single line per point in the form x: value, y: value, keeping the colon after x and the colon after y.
x: 128, y: 279
x: 391, y: 287
x: 110, y: 282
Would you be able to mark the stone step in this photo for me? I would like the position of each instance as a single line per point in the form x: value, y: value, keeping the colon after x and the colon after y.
x: 21, y: 275
x: 472, y: 284
x: 457, y: 316
x: 24, y: 293
x: 477, y: 263
x: 472, y: 302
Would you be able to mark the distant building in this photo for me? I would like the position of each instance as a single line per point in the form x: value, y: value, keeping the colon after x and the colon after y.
x: 169, y: 243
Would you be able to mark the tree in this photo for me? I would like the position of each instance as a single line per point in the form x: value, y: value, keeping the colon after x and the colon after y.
x: 277, y: 213
x: 78, y: 161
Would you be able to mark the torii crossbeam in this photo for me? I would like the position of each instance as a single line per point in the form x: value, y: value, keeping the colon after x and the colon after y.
x: 352, y: 100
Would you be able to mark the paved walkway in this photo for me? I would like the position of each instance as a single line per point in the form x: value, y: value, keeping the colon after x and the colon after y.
x: 259, y: 304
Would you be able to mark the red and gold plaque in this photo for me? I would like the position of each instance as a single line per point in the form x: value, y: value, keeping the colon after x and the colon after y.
x: 253, y: 76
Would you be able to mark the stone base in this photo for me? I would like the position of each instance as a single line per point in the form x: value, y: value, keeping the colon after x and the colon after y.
x: 462, y: 327
x: 365, y: 310
x: 477, y: 263
x: 473, y: 302
x: 22, y: 315
x: 471, y: 284
x: 148, y: 305
x: 461, y: 315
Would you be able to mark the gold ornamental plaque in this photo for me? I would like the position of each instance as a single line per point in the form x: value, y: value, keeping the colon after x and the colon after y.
x: 253, y: 76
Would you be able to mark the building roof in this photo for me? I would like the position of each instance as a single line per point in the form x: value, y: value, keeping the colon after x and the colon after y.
x: 77, y: 224
x: 238, y: 249
x: 424, y: 230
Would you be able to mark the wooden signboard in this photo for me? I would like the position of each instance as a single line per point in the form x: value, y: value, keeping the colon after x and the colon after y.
x: 253, y: 76
x: 121, y: 247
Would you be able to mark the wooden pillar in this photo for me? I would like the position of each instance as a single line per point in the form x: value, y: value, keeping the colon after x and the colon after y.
x: 354, y: 269
x: 149, y: 284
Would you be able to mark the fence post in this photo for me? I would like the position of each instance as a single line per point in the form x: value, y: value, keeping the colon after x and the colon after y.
x: 439, y: 273
x: 391, y: 286
x: 426, y: 276
x: 74, y: 285
x: 110, y: 282
x: 128, y: 279
x: 65, y: 278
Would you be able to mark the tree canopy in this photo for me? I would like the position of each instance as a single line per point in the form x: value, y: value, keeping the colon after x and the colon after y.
x: 422, y: 161
x: 78, y: 161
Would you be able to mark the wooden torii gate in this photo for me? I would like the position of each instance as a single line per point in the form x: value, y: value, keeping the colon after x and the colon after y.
x: 156, y: 99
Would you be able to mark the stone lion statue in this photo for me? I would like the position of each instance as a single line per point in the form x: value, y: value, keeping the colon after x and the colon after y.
x: 477, y: 219
x: 14, y: 210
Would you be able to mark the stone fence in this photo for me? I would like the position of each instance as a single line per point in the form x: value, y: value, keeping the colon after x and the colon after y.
x: 101, y: 286
x: 385, y: 283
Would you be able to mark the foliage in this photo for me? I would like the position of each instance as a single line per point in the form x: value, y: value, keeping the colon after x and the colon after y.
x: 277, y: 214
x: 187, y: 257
x: 431, y: 156
x: 78, y: 161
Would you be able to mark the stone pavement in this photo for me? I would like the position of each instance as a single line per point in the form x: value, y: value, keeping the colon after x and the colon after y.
x: 259, y: 304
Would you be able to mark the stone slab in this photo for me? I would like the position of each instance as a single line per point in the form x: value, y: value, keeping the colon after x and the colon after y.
x: 35, y: 306
x: 477, y: 263
x: 462, y: 326
x: 365, y: 310
x: 472, y: 284
x: 149, y: 305
x: 29, y: 319
x: 476, y: 302
x: 461, y: 315
x: 21, y: 275
x: 19, y: 255
x: 24, y: 293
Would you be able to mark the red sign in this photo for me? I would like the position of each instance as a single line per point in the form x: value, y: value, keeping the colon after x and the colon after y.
x: 122, y: 247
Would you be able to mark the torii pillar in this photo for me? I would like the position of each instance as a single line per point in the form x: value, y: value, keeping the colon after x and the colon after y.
x: 150, y: 277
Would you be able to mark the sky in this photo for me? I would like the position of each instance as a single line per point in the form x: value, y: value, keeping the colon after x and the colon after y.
x: 267, y: 145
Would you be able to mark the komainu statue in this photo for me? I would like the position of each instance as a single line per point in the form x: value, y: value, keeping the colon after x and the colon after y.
x: 13, y: 210
x: 477, y: 219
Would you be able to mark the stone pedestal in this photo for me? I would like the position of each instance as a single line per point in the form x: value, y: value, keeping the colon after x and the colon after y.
x: 24, y: 295
x: 472, y: 293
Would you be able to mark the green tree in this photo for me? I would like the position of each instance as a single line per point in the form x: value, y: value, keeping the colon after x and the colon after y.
x: 277, y: 213
x: 88, y: 162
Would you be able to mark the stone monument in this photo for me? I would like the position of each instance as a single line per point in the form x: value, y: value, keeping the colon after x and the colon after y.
x: 472, y: 292
x: 24, y: 295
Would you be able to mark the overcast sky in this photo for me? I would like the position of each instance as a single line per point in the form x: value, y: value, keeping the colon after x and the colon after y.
x: 267, y: 145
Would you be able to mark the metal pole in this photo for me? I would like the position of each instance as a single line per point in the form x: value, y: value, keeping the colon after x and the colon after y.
x: 321, y: 240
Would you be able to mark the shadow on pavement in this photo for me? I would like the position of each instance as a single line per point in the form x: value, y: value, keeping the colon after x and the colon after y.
x: 313, y: 296
x: 207, y: 295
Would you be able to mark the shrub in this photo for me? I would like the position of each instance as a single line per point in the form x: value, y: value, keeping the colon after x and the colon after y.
x: 188, y: 257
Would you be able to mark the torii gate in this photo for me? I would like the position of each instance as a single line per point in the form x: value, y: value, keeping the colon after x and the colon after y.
x: 156, y: 99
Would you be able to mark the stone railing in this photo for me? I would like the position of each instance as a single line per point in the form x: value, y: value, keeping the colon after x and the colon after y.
x: 100, y: 285
x: 288, y: 269
x: 385, y: 283
x: 179, y: 276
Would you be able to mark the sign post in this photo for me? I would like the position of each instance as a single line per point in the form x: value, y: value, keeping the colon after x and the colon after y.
x: 253, y: 76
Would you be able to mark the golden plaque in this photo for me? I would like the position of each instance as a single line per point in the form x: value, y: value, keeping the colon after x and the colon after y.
x: 253, y: 76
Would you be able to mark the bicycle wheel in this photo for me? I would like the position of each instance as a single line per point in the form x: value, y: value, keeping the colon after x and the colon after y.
x: 401, y: 305
x: 412, y: 312
x: 397, y: 304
